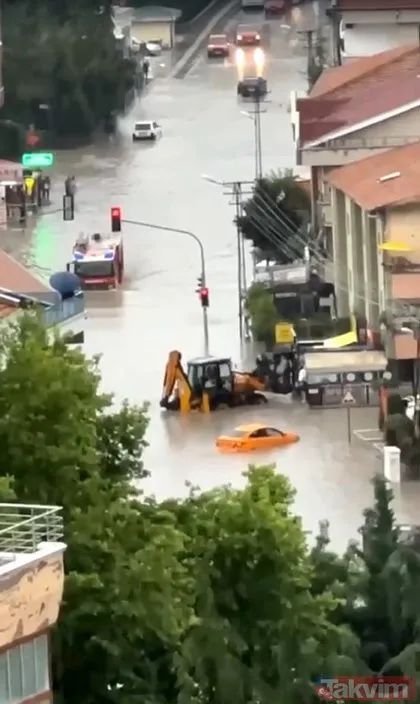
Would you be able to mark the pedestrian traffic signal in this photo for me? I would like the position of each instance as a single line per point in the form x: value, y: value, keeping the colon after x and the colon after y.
x: 204, y: 297
x: 116, y: 219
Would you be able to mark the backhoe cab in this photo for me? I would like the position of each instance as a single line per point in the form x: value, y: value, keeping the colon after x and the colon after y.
x: 209, y: 382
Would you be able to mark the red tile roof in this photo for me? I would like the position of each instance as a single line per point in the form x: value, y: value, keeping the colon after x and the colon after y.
x: 14, y: 277
x: 360, y: 5
x: 361, y: 180
x: 360, y: 90
x: 6, y: 310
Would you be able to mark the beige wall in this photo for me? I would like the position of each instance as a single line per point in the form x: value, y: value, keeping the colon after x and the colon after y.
x: 405, y: 347
x: 30, y: 598
x: 387, y: 133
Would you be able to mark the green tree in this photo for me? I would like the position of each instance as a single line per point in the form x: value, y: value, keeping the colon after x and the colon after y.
x: 126, y: 598
x: 70, y: 65
x: 262, y: 312
x: 375, y: 610
x: 274, y: 217
x: 259, y: 633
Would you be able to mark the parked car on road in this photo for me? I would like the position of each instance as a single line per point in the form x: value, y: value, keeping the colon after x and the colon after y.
x: 148, y: 129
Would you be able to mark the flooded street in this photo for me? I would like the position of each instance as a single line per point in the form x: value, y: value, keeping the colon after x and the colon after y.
x: 158, y: 310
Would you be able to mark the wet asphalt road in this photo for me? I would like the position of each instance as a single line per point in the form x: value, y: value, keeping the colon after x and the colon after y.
x: 134, y: 329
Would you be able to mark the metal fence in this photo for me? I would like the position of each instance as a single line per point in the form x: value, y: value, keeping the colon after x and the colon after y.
x: 64, y: 310
x: 24, y: 526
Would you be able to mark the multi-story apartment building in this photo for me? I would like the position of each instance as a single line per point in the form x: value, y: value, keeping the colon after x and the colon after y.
x: 358, y: 131
x: 31, y: 589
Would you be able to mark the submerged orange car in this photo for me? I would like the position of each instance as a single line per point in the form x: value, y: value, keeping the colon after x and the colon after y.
x: 255, y: 436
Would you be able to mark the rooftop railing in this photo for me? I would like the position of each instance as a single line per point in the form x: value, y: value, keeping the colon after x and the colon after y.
x: 64, y: 310
x: 53, y: 311
x: 24, y: 526
x: 368, y: 143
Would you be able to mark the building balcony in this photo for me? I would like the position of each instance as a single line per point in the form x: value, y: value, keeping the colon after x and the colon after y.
x: 325, y: 211
x: 338, y: 152
x: 24, y: 526
x: 31, y: 570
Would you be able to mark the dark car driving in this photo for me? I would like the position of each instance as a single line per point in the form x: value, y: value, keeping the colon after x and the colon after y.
x: 252, y: 86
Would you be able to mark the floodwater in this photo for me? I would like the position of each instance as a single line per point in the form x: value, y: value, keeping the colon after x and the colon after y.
x: 205, y: 132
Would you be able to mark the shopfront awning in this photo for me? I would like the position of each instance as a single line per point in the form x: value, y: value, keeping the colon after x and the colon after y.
x: 349, y: 361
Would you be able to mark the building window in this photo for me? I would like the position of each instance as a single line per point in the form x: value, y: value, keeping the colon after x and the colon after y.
x: 24, y: 671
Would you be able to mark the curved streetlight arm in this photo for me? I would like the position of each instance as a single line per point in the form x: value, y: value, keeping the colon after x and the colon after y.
x: 187, y: 233
x: 196, y: 239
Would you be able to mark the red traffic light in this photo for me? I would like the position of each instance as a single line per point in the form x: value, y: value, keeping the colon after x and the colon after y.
x: 116, y: 219
x: 204, y: 296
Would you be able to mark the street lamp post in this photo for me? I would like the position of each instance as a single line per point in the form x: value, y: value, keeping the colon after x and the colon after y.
x: 196, y: 239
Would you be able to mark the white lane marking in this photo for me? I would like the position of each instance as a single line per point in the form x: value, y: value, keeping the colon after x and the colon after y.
x: 207, y: 30
x: 370, y: 435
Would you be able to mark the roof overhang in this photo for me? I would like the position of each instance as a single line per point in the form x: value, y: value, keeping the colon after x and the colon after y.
x: 350, y: 129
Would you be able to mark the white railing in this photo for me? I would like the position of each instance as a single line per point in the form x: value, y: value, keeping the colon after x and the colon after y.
x: 24, y: 526
x: 367, y: 143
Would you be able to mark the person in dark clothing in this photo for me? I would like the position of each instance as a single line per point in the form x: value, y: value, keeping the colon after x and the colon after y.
x: 146, y: 67
x: 70, y: 186
x: 47, y: 188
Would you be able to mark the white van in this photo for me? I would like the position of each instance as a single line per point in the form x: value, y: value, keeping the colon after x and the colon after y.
x: 149, y: 129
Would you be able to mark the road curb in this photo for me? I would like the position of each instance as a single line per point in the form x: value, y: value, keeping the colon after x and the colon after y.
x: 203, y: 34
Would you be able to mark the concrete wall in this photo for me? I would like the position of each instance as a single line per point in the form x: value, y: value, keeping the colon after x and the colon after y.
x: 388, y: 133
x: 30, y: 598
x: 376, y: 17
x: 363, y: 285
x: 361, y: 144
x: 368, y: 39
x: 358, y: 272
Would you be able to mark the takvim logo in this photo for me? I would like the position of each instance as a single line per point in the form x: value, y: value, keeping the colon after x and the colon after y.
x: 363, y: 689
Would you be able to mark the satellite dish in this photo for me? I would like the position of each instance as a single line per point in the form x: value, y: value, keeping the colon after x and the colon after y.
x: 65, y: 283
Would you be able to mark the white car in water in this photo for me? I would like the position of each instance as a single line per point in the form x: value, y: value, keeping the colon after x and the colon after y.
x: 154, y: 48
x: 147, y: 129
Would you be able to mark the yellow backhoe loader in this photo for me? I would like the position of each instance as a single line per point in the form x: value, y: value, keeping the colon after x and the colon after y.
x: 209, y: 382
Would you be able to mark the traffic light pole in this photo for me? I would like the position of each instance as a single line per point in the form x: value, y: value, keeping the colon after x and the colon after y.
x: 196, y: 239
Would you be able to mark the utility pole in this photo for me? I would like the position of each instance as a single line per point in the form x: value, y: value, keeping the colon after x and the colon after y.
x: 236, y: 190
x: 256, y: 116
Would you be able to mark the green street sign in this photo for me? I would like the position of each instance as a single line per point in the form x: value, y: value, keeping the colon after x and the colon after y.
x: 36, y: 160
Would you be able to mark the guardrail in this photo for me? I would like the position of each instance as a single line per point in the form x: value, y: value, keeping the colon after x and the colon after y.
x: 24, y: 526
x: 64, y: 310
x: 368, y: 143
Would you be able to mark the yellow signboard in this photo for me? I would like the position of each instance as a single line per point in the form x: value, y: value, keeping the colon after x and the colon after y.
x: 285, y: 334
